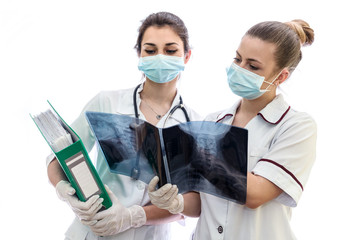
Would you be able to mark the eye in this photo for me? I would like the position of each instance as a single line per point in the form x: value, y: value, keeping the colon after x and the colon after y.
x: 171, y: 51
x: 252, y: 67
x: 150, y: 51
x: 237, y: 60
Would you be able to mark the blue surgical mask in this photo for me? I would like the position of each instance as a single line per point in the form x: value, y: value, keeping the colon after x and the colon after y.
x: 161, y: 68
x: 246, y: 84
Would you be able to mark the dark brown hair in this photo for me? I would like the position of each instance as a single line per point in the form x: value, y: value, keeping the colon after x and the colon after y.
x: 288, y: 38
x: 162, y: 19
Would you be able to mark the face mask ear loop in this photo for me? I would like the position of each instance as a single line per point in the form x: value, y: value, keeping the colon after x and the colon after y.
x: 272, y: 82
x: 143, y: 77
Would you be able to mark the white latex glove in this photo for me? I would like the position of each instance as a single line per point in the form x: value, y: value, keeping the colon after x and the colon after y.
x: 166, y: 197
x: 83, y: 210
x: 117, y: 218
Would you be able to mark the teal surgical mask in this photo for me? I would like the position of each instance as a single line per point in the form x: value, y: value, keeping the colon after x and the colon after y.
x: 161, y: 68
x: 246, y: 84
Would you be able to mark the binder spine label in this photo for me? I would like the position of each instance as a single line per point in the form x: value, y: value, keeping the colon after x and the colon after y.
x: 82, y: 175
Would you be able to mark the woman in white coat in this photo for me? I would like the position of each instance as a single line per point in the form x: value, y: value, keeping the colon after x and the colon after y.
x: 163, y: 51
x: 281, y: 144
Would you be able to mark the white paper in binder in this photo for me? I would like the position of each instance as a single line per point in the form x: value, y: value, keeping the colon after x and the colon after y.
x: 53, y: 131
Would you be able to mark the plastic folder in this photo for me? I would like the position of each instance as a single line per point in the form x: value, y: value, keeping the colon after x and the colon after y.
x: 77, y: 166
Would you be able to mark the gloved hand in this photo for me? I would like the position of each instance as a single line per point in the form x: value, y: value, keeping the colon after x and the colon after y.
x: 117, y: 218
x: 83, y: 210
x: 166, y: 197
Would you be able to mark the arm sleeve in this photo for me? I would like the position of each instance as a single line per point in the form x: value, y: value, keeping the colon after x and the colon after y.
x: 98, y: 104
x: 290, y: 158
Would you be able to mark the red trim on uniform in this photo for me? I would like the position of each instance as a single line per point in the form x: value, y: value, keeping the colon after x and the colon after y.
x: 278, y: 120
x: 283, y: 168
x: 227, y: 115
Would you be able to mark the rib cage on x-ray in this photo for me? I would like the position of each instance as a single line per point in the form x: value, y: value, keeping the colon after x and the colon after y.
x: 201, y: 156
x: 208, y: 157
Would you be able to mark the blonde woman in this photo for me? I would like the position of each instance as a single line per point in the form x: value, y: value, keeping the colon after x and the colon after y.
x: 281, y: 144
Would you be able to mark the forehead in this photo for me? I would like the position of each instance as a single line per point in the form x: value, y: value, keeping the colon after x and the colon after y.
x: 160, y: 36
x: 255, y: 48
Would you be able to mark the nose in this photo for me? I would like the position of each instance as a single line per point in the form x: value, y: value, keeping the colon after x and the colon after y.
x: 161, y: 52
x: 242, y: 64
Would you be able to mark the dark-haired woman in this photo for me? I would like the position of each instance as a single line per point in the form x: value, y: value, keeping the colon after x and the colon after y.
x: 282, y: 141
x: 163, y: 49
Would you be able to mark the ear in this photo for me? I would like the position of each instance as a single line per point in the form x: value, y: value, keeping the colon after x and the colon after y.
x: 284, y: 74
x: 187, y: 56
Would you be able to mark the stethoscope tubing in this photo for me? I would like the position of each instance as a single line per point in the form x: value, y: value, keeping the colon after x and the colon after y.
x: 136, y: 171
x: 180, y: 105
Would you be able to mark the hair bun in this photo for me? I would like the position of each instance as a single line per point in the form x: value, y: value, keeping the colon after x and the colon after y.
x: 303, y: 30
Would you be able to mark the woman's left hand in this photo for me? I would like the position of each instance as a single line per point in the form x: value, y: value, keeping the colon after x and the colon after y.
x: 166, y: 197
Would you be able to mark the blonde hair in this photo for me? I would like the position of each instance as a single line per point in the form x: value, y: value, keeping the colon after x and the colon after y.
x: 303, y: 30
x: 288, y: 37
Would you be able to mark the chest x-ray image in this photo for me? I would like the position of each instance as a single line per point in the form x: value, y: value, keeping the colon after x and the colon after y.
x: 197, y: 156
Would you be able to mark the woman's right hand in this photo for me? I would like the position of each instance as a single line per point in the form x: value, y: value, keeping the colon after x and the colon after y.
x: 83, y: 210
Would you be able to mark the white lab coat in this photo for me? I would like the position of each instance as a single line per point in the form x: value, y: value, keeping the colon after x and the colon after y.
x: 128, y: 191
x: 281, y: 148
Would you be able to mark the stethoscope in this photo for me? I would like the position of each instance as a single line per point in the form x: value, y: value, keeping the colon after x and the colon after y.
x: 135, y: 172
x: 180, y: 105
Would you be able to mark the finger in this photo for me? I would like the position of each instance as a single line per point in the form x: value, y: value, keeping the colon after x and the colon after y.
x: 84, y: 206
x: 96, y: 207
x: 171, y: 194
x: 101, y: 233
x: 168, y: 196
x: 153, y: 183
x: 177, y: 206
x: 107, y: 212
x: 107, y: 188
x: 73, y: 201
x: 101, y: 215
x: 88, y: 214
x: 96, y: 231
x: 67, y: 187
x: 91, y: 201
x: 163, y: 190
x: 100, y: 226
x: 64, y: 189
x: 88, y: 222
x: 70, y: 190
x: 166, y: 199
x: 111, y: 194
x: 105, y: 227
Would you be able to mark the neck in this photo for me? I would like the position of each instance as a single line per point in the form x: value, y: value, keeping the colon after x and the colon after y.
x: 248, y: 109
x: 255, y: 106
x: 159, y: 93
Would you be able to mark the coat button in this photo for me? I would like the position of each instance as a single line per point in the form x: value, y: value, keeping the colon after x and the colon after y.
x: 140, y: 185
x: 220, y: 229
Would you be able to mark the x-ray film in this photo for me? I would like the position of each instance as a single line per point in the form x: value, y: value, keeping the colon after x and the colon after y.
x: 197, y: 156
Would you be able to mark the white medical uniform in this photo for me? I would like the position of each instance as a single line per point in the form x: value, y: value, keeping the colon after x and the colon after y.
x: 128, y: 191
x: 281, y: 148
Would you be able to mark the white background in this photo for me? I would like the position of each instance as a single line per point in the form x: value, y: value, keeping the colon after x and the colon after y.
x: 67, y: 51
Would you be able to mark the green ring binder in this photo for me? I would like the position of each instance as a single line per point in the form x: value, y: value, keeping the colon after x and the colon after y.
x: 77, y: 166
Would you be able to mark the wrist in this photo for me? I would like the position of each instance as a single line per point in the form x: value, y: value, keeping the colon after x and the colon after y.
x: 138, y: 216
x: 178, y: 206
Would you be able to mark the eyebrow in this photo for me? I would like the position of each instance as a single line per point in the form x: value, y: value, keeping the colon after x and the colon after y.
x: 172, y: 43
x: 167, y: 44
x: 151, y: 44
x: 249, y: 59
